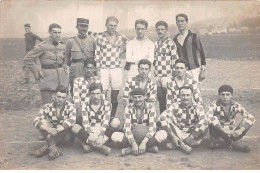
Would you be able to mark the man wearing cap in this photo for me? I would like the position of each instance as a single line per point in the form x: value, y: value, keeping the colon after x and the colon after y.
x: 179, y: 80
x: 228, y: 121
x: 165, y: 56
x: 55, y: 121
x: 78, y: 49
x: 95, y: 130
x: 138, y: 48
x: 185, y: 122
x: 189, y: 47
x: 139, y: 127
x: 53, y: 66
x: 141, y: 81
x: 109, y: 45
x: 30, y: 39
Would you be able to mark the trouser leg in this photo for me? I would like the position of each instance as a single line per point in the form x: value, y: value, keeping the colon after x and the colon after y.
x: 161, y: 94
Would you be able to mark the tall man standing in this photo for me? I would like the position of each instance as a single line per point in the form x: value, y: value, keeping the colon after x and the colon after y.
x: 78, y: 49
x: 190, y: 48
x: 165, y: 55
x: 52, y: 71
x: 138, y: 48
x: 30, y: 40
x: 108, y: 48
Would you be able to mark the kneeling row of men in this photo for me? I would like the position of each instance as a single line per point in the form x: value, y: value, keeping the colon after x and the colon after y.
x: 182, y: 125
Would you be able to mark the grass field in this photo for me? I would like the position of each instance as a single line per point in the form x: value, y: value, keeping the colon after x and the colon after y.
x: 229, y: 62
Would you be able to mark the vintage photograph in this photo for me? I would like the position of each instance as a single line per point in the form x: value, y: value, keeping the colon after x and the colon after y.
x: 129, y: 85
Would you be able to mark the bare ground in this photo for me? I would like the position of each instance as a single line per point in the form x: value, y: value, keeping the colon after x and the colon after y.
x: 19, y: 104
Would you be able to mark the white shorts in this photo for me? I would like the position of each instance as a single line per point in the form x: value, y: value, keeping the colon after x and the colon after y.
x: 194, y: 73
x: 113, y: 76
x: 162, y: 81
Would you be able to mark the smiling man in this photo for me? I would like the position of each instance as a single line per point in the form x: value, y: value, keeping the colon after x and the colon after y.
x: 138, y: 48
x: 185, y: 122
x: 78, y: 49
x: 228, y: 121
x: 54, y: 122
x: 53, y: 66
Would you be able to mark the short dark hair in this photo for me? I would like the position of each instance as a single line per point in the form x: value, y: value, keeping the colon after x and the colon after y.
x: 182, y: 61
x: 62, y: 89
x: 225, y: 88
x: 54, y: 25
x: 141, y: 21
x: 27, y: 25
x: 112, y: 18
x: 95, y: 86
x: 182, y: 15
x: 185, y: 87
x: 145, y: 61
x: 162, y: 23
x: 90, y: 61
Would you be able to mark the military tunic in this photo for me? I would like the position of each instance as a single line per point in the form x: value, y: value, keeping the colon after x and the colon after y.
x: 75, y: 57
x: 52, y: 64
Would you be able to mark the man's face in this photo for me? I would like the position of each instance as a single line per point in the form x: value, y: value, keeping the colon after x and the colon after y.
x: 82, y: 29
x: 225, y: 97
x: 180, y: 69
x: 60, y: 98
x: 27, y: 29
x: 161, y: 31
x: 89, y: 70
x: 186, y: 96
x: 140, y: 30
x: 143, y: 70
x: 181, y: 23
x: 55, y: 34
x: 111, y: 27
x: 96, y: 96
x: 138, y: 100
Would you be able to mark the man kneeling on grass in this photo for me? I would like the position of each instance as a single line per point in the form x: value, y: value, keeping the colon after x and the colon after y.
x: 55, y: 122
x: 96, y: 117
x: 228, y: 121
x: 139, y: 126
x: 185, y: 122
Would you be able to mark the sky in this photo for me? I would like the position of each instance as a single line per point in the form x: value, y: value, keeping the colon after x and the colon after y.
x: 41, y: 13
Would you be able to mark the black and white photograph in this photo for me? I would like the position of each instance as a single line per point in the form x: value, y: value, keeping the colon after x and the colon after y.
x: 129, y: 85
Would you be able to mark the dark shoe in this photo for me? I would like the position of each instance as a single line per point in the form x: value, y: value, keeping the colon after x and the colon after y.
x: 126, y: 151
x: 187, y: 149
x: 153, y: 149
x: 105, y: 150
x: 42, y: 151
x: 214, y: 145
x: 88, y: 148
x: 54, y: 153
x: 240, y: 147
x: 170, y: 146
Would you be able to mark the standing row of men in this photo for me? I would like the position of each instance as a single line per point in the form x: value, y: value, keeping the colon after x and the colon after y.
x: 183, y: 122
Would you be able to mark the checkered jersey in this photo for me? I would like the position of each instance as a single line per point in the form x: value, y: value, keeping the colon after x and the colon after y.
x: 107, y: 54
x: 190, y: 120
x: 131, y: 119
x: 173, y: 95
x: 134, y: 82
x: 67, y: 116
x: 218, y: 118
x: 80, y: 90
x: 165, y: 55
x: 100, y: 118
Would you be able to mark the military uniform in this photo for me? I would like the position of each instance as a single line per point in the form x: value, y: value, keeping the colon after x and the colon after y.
x: 52, y: 64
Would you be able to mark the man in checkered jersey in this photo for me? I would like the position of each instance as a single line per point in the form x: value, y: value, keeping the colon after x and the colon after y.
x: 165, y: 56
x: 228, y: 121
x: 54, y: 122
x: 141, y: 81
x: 109, y: 46
x: 185, y: 122
x: 96, y: 117
x: 181, y: 79
x: 81, y: 87
x: 139, y: 127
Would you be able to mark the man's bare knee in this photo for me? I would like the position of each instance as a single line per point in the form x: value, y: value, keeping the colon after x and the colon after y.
x: 115, y: 123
